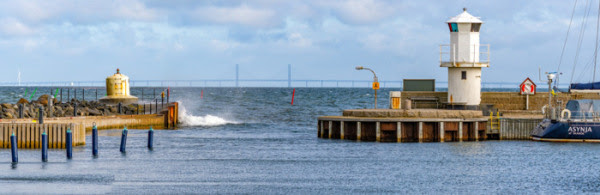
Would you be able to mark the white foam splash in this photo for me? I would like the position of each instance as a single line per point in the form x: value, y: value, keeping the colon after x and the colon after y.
x: 188, y: 119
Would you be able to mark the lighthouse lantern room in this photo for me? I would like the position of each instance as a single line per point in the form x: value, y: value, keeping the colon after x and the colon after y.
x: 464, y: 60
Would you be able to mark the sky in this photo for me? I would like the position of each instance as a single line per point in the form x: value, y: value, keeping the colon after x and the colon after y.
x: 59, y: 40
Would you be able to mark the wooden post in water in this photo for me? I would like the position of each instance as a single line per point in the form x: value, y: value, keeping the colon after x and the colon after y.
x: 95, y: 140
x: 476, y: 131
x: 341, y: 129
x: 330, y: 129
x: 460, y: 131
x: 150, y: 138
x: 399, y: 131
x: 358, y: 130
x: 420, y: 132
x: 377, y: 131
x: 322, y: 130
x: 442, y: 133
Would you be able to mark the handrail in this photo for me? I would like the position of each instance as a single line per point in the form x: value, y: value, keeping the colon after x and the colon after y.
x: 446, y: 54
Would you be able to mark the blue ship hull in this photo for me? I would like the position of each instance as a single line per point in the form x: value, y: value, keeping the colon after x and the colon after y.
x: 567, y: 131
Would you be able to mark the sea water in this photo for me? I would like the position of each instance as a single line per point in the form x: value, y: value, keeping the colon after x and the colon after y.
x: 252, y: 140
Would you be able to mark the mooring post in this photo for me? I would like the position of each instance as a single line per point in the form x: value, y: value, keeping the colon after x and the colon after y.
x: 41, y: 115
x: 156, y: 105
x: 150, y: 108
x: 20, y: 110
x: 69, y: 144
x: 150, y: 138
x: 120, y: 108
x: 75, y: 109
x: 168, y: 94
x: 96, y: 94
x: 94, y: 140
x: 44, y: 147
x: 144, y: 108
x: 50, y: 106
x: 69, y: 94
x: 61, y: 94
x: 123, y: 140
x: 83, y: 95
x: 13, y: 148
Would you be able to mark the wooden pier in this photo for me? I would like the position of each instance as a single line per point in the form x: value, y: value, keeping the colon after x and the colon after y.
x: 29, y: 134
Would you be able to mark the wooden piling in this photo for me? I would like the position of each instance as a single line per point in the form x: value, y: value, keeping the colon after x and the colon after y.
x: 377, y: 131
x: 399, y: 131
x: 330, y: 131
x: 442, y: 133
x: 358, y: 131
x: 420, y: 132
x: 460, y: 131
x: 341, y: 129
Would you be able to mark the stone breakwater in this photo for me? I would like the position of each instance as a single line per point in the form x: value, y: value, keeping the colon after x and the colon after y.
x: 66, y: 109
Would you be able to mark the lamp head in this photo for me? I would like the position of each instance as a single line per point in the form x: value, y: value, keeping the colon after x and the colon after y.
x: 359, y: 68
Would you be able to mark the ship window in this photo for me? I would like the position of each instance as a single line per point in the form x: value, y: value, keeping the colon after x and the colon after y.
x: 464, y: 75
x: 453, y: 27
x: 475, y: 27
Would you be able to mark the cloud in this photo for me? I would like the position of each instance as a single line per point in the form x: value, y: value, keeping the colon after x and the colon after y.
x: 14, y: 27
x: 402, y: 37
x: 242, y: 15
x: 362, y: 12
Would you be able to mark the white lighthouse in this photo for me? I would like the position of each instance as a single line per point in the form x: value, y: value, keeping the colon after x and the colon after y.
x: 464, y: 60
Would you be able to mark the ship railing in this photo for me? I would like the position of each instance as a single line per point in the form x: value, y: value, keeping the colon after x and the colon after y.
x: 582, y: 116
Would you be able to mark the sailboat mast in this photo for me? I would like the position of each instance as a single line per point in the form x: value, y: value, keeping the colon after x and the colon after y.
x: 596, y: 48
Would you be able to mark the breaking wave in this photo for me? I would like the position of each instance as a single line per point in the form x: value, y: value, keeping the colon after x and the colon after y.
x: 187, y: 119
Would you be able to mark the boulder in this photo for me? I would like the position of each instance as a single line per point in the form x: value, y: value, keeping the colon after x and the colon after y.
x: 7, y: 115
x: 6, y: 105
x: 94, y: 112
x: 113, y: 109
x: 22, y: 101
x: 43, y: 99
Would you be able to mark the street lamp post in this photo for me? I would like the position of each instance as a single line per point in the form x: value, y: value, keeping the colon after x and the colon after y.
x: 375, y: 82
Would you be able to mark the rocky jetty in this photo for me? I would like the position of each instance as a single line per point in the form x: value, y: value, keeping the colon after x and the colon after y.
x: 65, y: 109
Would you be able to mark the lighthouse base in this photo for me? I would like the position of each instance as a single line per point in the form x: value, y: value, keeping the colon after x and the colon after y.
x: 125, y: 100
